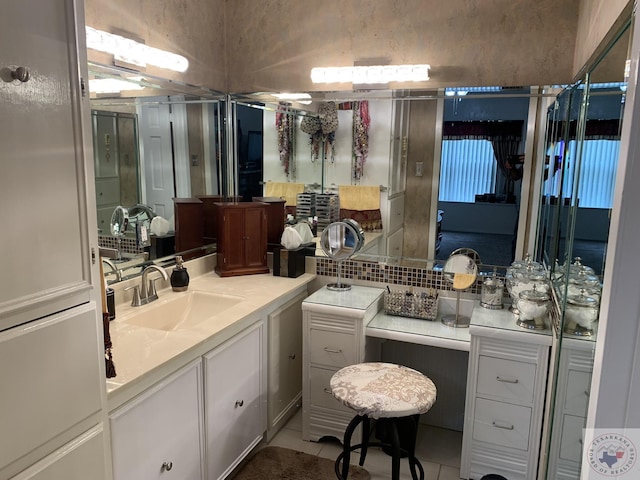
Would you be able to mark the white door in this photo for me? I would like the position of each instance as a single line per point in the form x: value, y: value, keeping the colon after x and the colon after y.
x: 156, y: 156
x: 42, y: 169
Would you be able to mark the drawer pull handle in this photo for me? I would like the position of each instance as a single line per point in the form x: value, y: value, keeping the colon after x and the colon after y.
x: 507, y: 380
x: 504, y: 427
x: 332, y: 350
x: 239, y: 403
x: 326, y: 390
x: 167, y: 466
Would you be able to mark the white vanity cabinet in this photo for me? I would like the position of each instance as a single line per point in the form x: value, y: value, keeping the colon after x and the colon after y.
x: 284, y: 389
x: 333, y: 337
x: 159, y: 434
x: 51, y: 353
x: 504, y: 402
x: 80, y: 459
x: 234, y: 400
x: 572, y: 399
x: 51, y: 385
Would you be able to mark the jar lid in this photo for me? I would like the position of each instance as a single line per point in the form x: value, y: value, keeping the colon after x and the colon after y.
x: 534, y: 295
x: 583, y: 277
x: 582, y: 300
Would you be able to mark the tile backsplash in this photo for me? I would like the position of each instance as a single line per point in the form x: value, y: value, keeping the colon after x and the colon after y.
x: 357, y: 270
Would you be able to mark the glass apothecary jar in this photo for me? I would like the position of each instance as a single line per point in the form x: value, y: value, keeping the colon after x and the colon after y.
x: 580, y: 314
x: 583, y: 280
x: 533, y: 307
x: 521, y: 280
x: 491, y: 292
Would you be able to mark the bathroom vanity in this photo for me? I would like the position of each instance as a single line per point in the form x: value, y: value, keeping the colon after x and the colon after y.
x: 215, y: 383
x: 505, y: 388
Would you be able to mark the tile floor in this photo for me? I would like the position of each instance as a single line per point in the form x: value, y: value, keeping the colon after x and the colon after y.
x: 437, y: 449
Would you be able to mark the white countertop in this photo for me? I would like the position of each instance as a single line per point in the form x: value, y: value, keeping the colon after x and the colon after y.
x: 357, y: 297
x: 143, y: 356
x: 484, y: 322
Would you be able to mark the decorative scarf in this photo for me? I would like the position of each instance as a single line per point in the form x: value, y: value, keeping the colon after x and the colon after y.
x: 285, y: 127
x: 361, y: 122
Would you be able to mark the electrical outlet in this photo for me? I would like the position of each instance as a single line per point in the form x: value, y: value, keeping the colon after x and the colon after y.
x: 419, y: 169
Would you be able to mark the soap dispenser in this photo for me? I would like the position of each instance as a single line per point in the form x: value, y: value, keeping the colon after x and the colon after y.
x: 179, y: 276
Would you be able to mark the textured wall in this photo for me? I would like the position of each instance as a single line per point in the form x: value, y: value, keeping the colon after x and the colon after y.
x: 596, y: 18
x: 193, y: 28
x: 274, y: 43
x: 417, y: 197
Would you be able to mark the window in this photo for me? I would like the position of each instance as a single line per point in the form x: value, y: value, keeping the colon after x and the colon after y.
x: 596, y: 176
x: 467, y: 168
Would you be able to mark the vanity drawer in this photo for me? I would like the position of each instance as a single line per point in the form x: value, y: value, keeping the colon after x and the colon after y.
x: 502, y: 424
x: 333, y: 349
x: 321, y: 395
x: 577, y: 399
x: 506, y: 379
x: 571, y: 441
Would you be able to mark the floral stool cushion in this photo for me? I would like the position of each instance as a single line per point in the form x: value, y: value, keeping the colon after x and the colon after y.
x: 383, y: 390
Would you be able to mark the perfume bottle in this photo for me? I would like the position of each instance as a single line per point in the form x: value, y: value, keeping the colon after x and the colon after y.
x: 179, y: 276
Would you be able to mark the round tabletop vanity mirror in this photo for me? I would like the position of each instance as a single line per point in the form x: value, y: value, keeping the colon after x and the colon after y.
x: 118, y: 225
x: 460, y: 271
x: 340, y: 241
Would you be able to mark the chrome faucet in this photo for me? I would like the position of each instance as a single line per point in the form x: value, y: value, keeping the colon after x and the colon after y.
x: 147, y: 292
x: 113, y: 267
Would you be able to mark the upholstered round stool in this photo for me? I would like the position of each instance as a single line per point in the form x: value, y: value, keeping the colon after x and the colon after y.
x: 383, y: 391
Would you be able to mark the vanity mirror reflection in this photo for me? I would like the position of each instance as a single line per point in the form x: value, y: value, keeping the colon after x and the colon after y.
x: 405, y: 158
x: 579, y: 174
x: 156, y: 141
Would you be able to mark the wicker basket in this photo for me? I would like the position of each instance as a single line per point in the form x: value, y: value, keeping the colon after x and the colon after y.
x: 408, y: 304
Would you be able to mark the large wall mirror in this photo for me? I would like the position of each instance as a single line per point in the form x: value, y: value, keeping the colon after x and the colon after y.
x: 155, y: 142
x: 454, y: 155
x: 579, y: 174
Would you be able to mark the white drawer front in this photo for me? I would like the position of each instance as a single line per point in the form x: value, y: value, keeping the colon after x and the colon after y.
x: 49, y: 382
x: 321, y: 393
x: 578, y: 385
x: 571, y: 442
x: 506, y: 379
x: 502, y: 424
x: 332, y: 348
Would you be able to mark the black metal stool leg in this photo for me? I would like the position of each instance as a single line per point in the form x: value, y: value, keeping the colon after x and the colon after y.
x: 345, y: 456
x: 411, y: 449
x: 366, y: 430
x: 395, y: 451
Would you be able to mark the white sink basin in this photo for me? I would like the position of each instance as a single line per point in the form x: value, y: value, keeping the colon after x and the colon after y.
x: 182, y: 311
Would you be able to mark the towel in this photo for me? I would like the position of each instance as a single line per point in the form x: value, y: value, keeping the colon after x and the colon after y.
x: 359, y: 197
x: 362, y: 204
x: 284, y: 190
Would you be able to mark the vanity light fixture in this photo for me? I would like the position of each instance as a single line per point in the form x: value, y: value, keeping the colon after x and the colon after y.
x: 133, y: 52
x: 114, y: 85
x: 303, y: 98
x: 372, y: 74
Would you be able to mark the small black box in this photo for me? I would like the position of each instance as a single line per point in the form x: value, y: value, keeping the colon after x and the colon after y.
x: 162, y: 246
x: 291, y: 263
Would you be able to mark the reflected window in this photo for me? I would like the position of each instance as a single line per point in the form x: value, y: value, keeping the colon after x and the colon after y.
x: 467, y: 168
x: 597, y: 175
